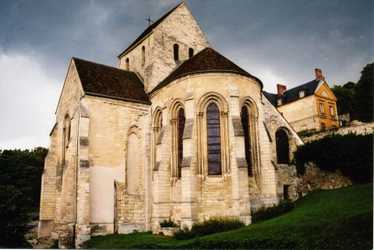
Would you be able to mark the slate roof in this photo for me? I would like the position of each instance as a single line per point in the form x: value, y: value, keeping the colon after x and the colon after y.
x: 293, y: 94
x: 106, y: 81
x: 206, y: 61
x: 149, y: 29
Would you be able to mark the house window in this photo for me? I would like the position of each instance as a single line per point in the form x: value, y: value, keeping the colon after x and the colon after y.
x: 143, y: 56
x: 282, y: 146
x: 213, y: 139
x: 127, y: 64
x: 176, y: 52
x: 301, y: 93
x: 279, y: 102
x: 190, y: 52
x: 331, y: 108
x: 321, y: 108
x: 247, y: 138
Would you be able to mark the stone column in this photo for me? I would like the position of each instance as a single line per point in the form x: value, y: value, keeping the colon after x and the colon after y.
x: 82, y: 228
x: 188, y: 178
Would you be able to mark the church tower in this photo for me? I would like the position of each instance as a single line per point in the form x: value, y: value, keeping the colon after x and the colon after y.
x: 163, y: 46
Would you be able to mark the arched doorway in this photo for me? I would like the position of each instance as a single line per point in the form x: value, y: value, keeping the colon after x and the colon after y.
x: 283, y: 147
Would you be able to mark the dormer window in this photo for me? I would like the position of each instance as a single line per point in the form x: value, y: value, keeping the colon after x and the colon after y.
x: 279, y: 102
x: 176, y: 52
x: 301, y: 93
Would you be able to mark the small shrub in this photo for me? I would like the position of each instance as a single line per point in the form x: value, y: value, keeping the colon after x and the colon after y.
x: 214, y: 225
x: 271, y: 212
x: 168, y: 223
x: 351, y: 153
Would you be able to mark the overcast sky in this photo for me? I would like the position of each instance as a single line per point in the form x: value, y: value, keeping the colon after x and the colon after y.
x: 277, y: 41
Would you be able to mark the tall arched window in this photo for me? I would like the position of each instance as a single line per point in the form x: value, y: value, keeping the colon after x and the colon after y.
x: 180, y: 128
x: 143, y: 55
x: 127, y: 64
x: 213, y: 139
x: 190, y: 52
x: 133, y: 169
x: 176, y: 52
x: 282, y: 145
x: 66, y: 130
x: 247, y: 139
x: 157, y: 127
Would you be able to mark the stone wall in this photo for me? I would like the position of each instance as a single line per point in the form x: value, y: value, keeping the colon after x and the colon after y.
x: 355, y: 128
x: 317, y: 179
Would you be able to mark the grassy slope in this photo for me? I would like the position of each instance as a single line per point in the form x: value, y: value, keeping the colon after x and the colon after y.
x: 327, y: 219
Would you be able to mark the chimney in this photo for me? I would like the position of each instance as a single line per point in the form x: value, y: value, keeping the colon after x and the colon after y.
x: 281, y: 89
x: 318, y: 74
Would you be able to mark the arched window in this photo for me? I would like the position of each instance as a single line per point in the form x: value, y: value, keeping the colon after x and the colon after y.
x: 282, y: 145
x: 66, y: 130
x: 143, y: 56
x: 180, y: 128
x: 176, y: 52
x: 133, y: 164
x: 213, y: 139
x: 127, y: 64
x: 190, y: 52
x: 247, y: 139
x: 156, y: 137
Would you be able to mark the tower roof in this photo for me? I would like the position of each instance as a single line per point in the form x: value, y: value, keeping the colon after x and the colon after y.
x: 206, y: 61
x: 106, y: 81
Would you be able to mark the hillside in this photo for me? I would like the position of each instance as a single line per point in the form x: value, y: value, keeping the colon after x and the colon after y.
x: 337, y: 219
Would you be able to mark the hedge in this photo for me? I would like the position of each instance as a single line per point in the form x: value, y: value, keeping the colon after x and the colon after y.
x: 211, y: 226
x: 351, y: 153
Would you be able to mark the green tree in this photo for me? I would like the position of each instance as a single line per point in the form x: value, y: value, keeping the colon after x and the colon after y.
x: 364, y: 94
x: 345, y: 96
x: 20, y: 181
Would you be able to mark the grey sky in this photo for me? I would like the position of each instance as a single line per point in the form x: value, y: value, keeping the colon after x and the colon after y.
x: 278, y: 41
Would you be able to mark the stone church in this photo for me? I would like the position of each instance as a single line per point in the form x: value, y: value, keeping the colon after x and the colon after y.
x: 177, y: 131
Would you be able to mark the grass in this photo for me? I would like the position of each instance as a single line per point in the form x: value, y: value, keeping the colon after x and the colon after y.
x: 337, y: 219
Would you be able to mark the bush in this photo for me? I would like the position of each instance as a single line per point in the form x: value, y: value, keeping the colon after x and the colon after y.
x: 214, y: 225
x: 168, y: 223
x: 270, y: 212
x: 351, y: 153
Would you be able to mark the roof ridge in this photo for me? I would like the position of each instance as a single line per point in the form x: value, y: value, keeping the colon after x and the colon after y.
x: 300, y: 85
x: 101, y: 64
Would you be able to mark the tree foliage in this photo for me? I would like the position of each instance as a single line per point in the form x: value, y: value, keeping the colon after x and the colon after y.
x: 357, y: 98
x: 352, y: 154
x: 20, y: 181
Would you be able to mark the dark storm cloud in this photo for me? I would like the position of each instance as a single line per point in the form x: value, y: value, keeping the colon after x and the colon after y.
x: 278, y: 41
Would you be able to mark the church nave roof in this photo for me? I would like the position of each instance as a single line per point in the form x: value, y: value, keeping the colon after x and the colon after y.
x: 106, y: 81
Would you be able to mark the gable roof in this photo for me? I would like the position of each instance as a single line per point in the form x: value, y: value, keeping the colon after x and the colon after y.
x: 293, y: 94
x: 206, y: 61
x: 106, y: 81
x: 149, y: 29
